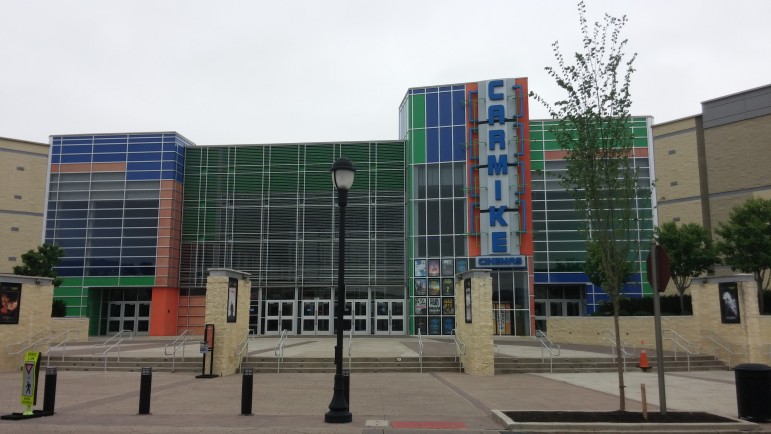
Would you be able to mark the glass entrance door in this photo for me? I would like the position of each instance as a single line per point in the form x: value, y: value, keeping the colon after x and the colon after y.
x: 389, y: 317
x: 128, y: 315
x: 316, y: 317
x: 357, y: 313
x: 279, y: 315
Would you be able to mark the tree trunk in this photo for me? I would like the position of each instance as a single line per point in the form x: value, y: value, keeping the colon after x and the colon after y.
x: 619, y: 356
x: 761, y: 301
x: 682, y: 301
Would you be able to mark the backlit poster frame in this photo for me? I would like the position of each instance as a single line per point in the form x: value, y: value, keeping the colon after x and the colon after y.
x: 10, y: 302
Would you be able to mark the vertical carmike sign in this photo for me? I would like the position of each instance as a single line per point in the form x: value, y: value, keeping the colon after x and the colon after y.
x: 500, y: 135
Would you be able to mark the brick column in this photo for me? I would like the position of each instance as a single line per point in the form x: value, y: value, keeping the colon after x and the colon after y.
x: 474, y: 303
x: 227, y: 335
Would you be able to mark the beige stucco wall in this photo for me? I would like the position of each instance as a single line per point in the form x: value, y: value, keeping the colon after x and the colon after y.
x: 23, y: 169
x: 477, y: 336
x: 751, y: 337
x: 226, y: 335
x: 737, y: 154
x: 676, y: 158
x: 34, y: 320
x: 737, y: 164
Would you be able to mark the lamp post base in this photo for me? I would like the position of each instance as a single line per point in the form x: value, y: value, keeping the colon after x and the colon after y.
x: 338, y: 408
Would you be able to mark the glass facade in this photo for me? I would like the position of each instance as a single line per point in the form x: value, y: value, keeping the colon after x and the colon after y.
x: 111, y: 206
x: 560, y: 250
x: 271, y: 211
x: 422, y: 210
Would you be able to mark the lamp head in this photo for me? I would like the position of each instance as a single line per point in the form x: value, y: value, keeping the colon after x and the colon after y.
x: 342, y: 173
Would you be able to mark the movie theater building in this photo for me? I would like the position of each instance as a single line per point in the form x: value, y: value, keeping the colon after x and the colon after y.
x: 472, y: 182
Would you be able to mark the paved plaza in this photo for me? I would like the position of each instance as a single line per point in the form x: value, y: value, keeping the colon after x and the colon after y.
x: 99, y: 402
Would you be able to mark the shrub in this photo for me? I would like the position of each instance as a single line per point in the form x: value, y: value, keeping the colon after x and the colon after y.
x: 59, y: 308
x: 670, y: 305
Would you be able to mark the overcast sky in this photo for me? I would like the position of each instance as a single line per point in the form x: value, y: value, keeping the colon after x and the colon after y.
x: 229, y: 72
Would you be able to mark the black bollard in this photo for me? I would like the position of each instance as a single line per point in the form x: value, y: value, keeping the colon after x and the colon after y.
x: 146, y: 382
x: 247, y: 384
x: 347, y: 383
x: 49, y: 398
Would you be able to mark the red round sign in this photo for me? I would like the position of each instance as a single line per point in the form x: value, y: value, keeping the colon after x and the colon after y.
x: 662, y: 269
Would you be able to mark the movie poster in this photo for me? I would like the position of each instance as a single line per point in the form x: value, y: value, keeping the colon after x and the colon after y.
x: 461, y: 265
x: 448, y: 287
x: 420, y: 287
x: 434, y: 306
x: 232, y: 299
x: 420, y: 306
x: 448, y: 306
x: 433, y: 268
x: 434, y: 287
x: 729, y: 303
x: 435, y: 325
x: 447, y: 267
x: 420, y: 268
x: 467, y: 295
x: 448, y: 325
x: 421, y: 323
x: 10, y: 298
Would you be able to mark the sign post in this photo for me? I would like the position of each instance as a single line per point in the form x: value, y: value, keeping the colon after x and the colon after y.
x: 29, y: 375
x: 658, y: 276
x: 207, y: 347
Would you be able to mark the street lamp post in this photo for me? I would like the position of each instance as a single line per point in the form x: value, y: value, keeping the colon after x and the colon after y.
x: 342, y: 177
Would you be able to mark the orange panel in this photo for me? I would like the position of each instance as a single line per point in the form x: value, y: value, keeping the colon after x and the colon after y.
x: 164, y: 232
x: 166, y: 213
x: 164, y: 311
x: 474, y: 246
x: 526, y: 241
x: 197, y: 310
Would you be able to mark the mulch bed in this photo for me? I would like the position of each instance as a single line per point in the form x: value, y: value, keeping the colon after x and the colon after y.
x: 613, y: 417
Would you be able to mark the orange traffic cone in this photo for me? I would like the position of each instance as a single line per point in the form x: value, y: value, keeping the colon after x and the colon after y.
x: 644, y: 361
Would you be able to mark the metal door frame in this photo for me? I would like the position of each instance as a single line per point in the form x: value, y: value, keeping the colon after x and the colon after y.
x: 389, y: 317
x: 122, y: 317
x: 280, y: 317
x: 316, y: 302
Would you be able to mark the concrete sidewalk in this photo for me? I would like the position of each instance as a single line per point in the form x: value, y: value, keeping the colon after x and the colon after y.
x: 89, y: 402
x: 98, y: 402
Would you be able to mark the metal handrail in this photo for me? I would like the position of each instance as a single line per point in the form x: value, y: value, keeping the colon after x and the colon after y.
x: 543, y: 339
x: 624, y: 353
x: 184, y: 336
x: 118, y: 338
x: 66, y: 335
x: 350, y: 346
x: 32, y: 341
x: 279, y: 350
x: 717, y: 341
x: 420, y: 349
x: 689, y: 347
x: 243, y: 345
x: 460, y: 349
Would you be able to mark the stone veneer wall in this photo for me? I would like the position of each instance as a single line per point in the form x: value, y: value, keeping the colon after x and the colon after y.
x: 477, y: 336
x: 227, y: 335
x: 34, y: 319
x: 751, y: 338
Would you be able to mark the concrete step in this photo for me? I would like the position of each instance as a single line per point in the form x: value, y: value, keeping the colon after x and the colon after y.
x: 129, y: 364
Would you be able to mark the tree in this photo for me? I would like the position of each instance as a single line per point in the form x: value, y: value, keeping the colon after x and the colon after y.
x: 41, y: 262
x: 746, y: 242
x: 593, y: 265
x: 594, y: 128
x: 691, y: 252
